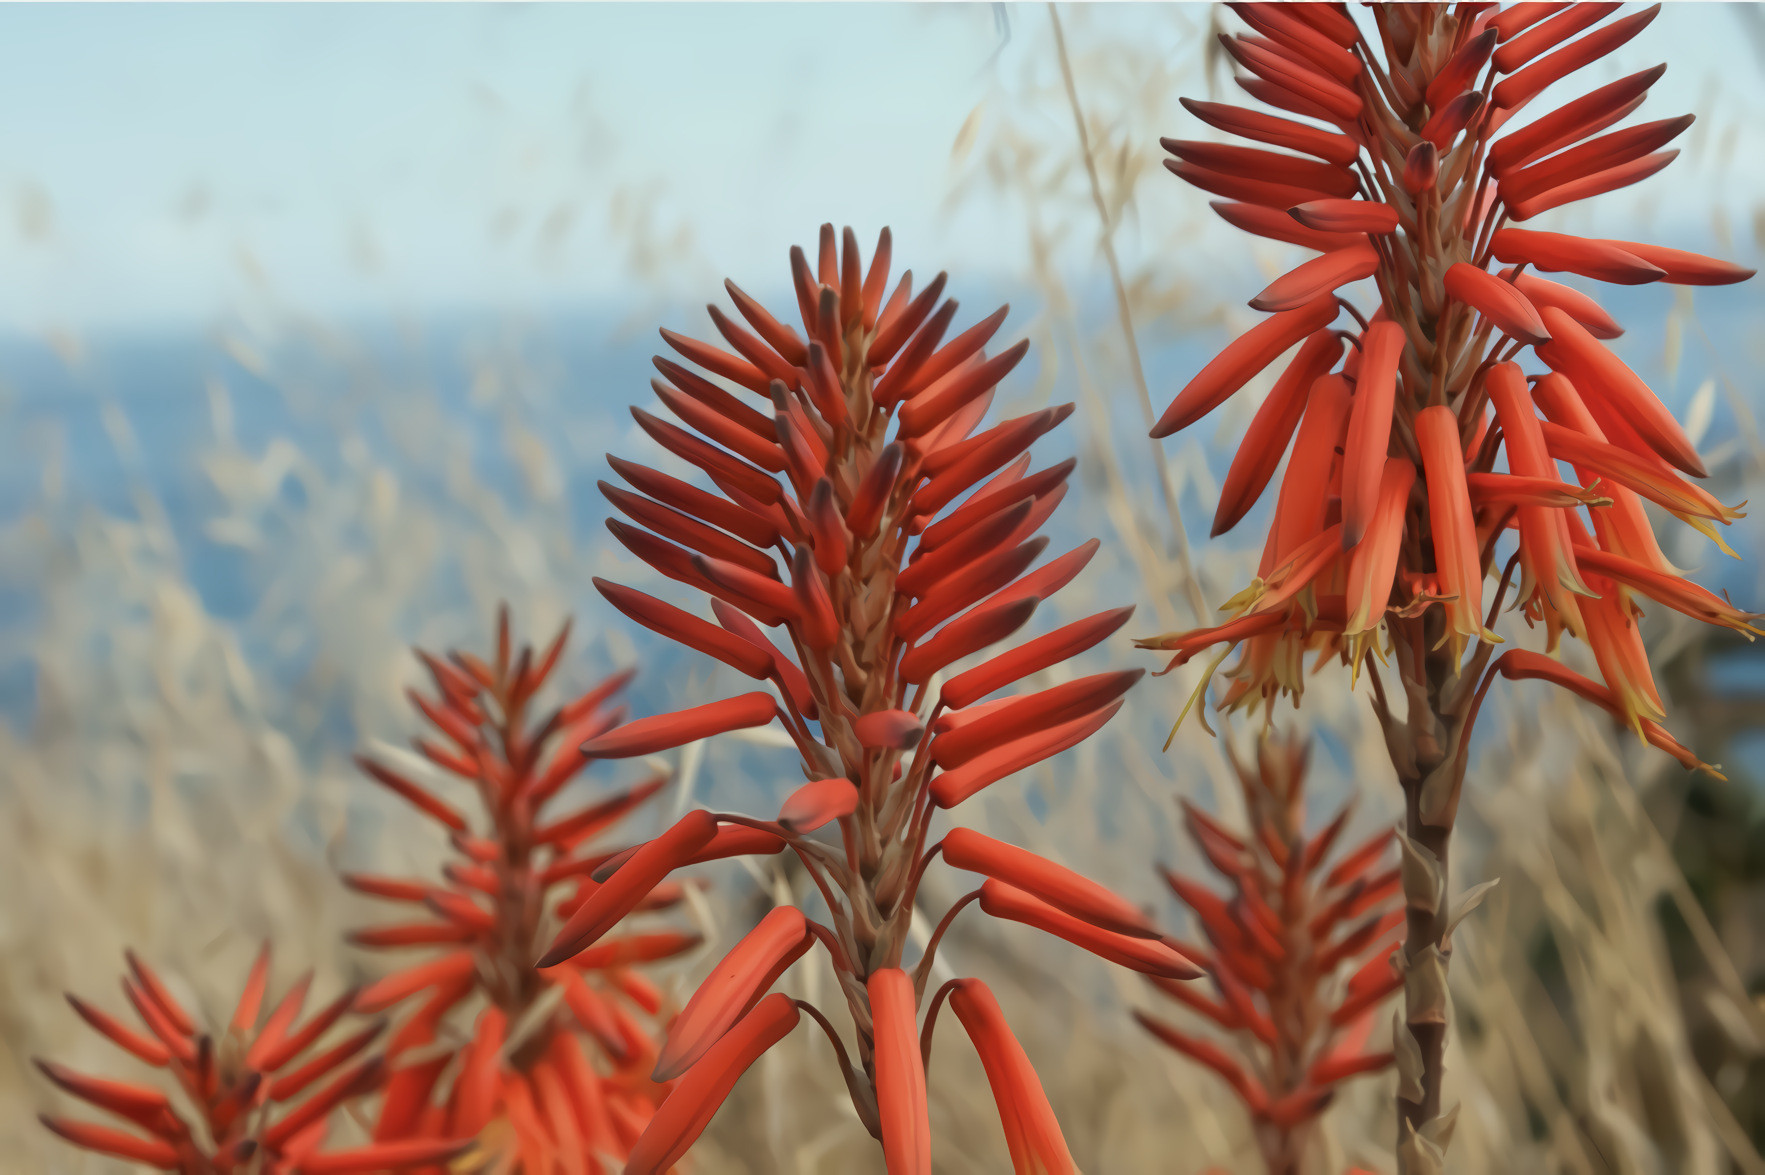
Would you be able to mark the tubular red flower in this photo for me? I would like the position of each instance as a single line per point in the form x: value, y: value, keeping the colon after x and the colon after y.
x: 1293, y: 36
x: 957, y: 467
x: 988, y: 767
x: 687, y: 531
x: 1277, y: 132
x: 1005, y: 491
x: 1522, y: 86
x: 1031, y: 1132
x: 1074, y: 699
x: 124, y: 1037
x: 734, y: 986
x: 1272, y: 429
x: 698, y: 1094
x: 1320, y: 275
x: 417, y: 796
x: 1596, y: 371
x: 1301, y: 509
x: 1015, y: 664
x: 648, y: 735
x: 1586, y: 159
x: 1369, y: 427
x: 967, y: 634
x: 1508, y: 490
x: 1553, y: 251
x: 1671, y: 590
x: 1453, y: 524
x: 1654, y: 482
x: 1057, y: 885
x: 900, y: 1073
x: 1278, y: 225
x: 1346, y: 216
x: 1339, y: 103
x: 1502, y: 303
x: 1618, y: 649
x: 984, y: 537
x: 1247, y: 355
x: 1583, y: 309
x: 1521, y: 665
x: 1547, y: 561
x: 1681, y: 268
x: 1254, y: 164
x: 1594, y: 184
x: 108, y: 1141
x: 635, y: 878
x: 938, y: 402
x: 1450, y: 120
x: 1584, y: 116
x: 1149, y: 956
x: 689, y: 628
x: 817, y: 803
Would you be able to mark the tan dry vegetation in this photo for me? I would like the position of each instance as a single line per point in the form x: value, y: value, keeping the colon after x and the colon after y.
x: 175, y: 795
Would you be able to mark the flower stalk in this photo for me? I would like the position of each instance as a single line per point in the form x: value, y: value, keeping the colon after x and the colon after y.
x: 865, y: 513
x: 1440, y: 456
x: 1296, y: 916
x: 262, y: 1090
x: 555, y: 1066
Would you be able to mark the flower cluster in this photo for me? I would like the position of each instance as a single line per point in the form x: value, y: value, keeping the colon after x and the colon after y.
x: 1294, y: 921
x: 849, y: 449
x: 556, y: 1069
x: 258, y: 1105
x: 1432, y: 441
x: 1415, y: 441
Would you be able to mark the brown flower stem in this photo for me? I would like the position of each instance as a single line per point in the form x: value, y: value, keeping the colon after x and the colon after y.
x: 1426, y: 754
x: 857, y: 1086
x: 923, y: 969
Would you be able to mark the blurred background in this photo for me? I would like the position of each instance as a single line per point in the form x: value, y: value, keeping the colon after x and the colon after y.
x: 317, y: 321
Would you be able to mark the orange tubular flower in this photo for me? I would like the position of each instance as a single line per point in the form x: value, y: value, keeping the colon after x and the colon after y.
x: 1295, y: 922
x: 1397, y: 138
x: 1030, y: 1129
x: 539, y: 1100
x: 857, y: 450
x: 263, y: 1089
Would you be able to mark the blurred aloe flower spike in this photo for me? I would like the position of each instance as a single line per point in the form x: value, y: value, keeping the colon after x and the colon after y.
x: 907, y: 548
x: 554, y: 1069
x: 1417, y: 450
x: 263, y: 1088
x: 1299, y: 915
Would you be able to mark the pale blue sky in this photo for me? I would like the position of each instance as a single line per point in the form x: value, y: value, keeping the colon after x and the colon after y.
x: 153, y: 159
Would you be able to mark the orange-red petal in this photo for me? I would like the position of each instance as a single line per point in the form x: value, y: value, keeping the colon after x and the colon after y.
x: 1031, y: 1131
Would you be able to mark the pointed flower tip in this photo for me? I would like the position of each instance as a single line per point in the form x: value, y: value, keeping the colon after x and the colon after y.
x: 888, y: 729
x: 635, y: 878
x: 1032, y: 1133
x: 818, y: 803
x: 662, y: 732
x: 742, y: 976
x: 900, y: 1072
x: 689, y: 1106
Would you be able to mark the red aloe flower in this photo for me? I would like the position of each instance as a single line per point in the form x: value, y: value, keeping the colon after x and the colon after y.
x: 1418, y: 448
x: 855, y: 467
x: 1277, y: 947
x: 556, y: 1068
x: 262, y: 1090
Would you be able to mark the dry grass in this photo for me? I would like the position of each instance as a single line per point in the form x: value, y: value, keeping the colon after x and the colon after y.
x: 184, y: 785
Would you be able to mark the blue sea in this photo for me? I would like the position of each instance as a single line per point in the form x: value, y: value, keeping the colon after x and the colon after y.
x: 335, y: 395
